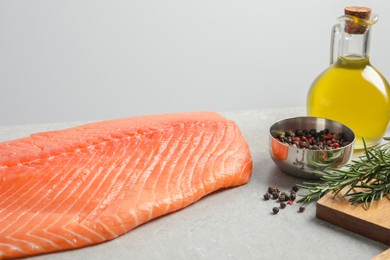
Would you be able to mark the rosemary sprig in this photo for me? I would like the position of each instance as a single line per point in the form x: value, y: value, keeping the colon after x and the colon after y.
x: 366, y: 179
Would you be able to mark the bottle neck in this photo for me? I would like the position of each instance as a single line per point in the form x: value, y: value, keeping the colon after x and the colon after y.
x: 354, y: 46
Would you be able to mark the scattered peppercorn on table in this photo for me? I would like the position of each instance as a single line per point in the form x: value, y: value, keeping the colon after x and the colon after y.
x: 237, y: 223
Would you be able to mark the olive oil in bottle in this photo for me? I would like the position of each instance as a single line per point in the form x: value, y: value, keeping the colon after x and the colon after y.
x: 351, y: 90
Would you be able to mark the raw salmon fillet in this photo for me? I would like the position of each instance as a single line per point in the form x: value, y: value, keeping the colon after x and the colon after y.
x: 85, y: 185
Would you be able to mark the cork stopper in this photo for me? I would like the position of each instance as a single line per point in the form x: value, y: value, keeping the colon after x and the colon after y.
x: 359, y: 12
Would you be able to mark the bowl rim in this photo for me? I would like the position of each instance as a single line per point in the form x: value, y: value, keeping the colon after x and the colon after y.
x: 314, y: 117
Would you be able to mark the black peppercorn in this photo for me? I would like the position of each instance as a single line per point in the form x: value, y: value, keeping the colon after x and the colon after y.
x: 267, y: 196
x: 275, y: 210
x: 270, y: 190
x: 282, y: 205
x: 298, y: 132
x: 275, y: 195
x: 282, y: 197
x: 285, y: 196
x: 301, y: 208
x: 295, y: 188
x: 293, y: 195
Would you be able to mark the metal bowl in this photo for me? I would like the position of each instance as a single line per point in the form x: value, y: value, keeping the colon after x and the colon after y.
x: 306, y: 163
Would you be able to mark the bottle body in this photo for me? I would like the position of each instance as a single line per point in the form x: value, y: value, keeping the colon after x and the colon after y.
x: 354, y: 93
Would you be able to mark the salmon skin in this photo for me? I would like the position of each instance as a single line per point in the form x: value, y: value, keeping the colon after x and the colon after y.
x: 84, y: 185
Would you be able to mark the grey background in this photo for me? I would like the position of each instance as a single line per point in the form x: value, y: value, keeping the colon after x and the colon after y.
x: 98, y: 59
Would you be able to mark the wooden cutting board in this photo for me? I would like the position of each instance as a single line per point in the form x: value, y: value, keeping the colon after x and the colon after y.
x: 373, y: 223
x: 383, y: 256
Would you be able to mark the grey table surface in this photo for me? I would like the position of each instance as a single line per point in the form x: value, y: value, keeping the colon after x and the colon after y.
x: 231, y: 224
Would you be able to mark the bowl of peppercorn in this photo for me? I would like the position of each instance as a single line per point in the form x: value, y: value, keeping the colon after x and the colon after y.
x: 306, y: 146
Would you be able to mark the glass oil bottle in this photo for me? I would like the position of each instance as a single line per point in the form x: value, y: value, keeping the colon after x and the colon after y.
x: 351, y: 90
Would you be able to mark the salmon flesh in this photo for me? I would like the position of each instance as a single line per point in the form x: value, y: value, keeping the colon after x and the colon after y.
x: 84, y: 185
